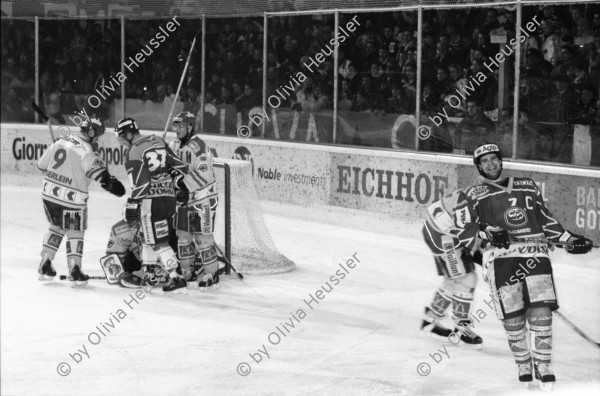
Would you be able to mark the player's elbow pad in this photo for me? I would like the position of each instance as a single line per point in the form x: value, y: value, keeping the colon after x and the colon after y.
x: 112, y: 184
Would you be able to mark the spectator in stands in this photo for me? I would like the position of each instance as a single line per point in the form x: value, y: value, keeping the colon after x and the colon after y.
x: 15, y: 109
x: 193, y: 78
x: 312, y: 98
x: 397, y: 102
x: 586, y: 106
x: 345, y: 96
x: 561, y: 105
x: 536, y: 65
x: 409, y: 85
x: 550, y: 42
x: 247, y: 100
x: 474, y: 130
x: 9, y: 72
x: 564, y: 62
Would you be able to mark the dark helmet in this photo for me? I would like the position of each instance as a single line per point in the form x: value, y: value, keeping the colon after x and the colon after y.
x: 486, y: 148
x: 126, y: 129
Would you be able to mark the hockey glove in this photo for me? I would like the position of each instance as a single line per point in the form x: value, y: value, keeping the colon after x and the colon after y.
x: 111, y: 184
x: 575, y: 244
x: 182, y: 194
x: 497, y: 237
x: 131, y: 213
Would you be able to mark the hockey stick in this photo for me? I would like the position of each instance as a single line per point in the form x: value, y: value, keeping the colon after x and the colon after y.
x: 44, y: 117
x: 187, y: 62
x: 65, y: 277
x: 577, y: 329
x: 240, y: 276
x: 551, y: 242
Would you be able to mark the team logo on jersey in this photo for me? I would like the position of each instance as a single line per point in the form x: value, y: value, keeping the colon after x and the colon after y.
x: 515, y: 217
x: 463, y: 217
x: 203, y: 168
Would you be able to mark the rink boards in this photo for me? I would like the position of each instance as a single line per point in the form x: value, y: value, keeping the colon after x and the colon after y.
x: 397, y: 184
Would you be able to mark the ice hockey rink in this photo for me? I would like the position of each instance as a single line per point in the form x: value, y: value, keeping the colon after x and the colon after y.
x: 361, y: 338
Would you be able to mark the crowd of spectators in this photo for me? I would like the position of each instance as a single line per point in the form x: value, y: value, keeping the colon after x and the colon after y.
x: 559, y: 82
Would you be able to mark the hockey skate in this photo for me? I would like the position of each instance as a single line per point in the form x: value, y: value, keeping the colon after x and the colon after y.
x: 209, y: 282
x: 132, y: 281
x: 463, y: 332
x: 77, y: 277
x: 176, y: 286
x: 430, y: 328
x: 525, y: 372
x: 544, y: 374
x: 46, y: 271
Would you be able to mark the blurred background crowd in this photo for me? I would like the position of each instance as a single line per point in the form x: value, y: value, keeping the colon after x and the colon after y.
x: 377, y: 68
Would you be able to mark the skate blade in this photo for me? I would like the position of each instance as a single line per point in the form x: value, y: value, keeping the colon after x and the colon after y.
x: 45, y: 278
x: 182, y: 290
x: 546, y: 386
x: 209, y: 288
x: 75, y: 283
x: 431, y: 336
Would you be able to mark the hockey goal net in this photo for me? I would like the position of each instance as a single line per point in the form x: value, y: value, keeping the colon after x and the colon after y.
x: 240, y: 229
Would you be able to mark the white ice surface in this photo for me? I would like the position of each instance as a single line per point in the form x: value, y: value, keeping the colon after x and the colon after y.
x: 361, y: 339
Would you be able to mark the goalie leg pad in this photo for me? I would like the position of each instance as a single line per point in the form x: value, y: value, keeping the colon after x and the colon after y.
x: 112, y: 267
x: 52, y: 241
x: 149, y: 256
x: 168, y: 260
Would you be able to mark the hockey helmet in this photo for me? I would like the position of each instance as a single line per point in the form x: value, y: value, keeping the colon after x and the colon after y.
x: 484, y: 149
x: 92, y: 128
x: 126, y: 129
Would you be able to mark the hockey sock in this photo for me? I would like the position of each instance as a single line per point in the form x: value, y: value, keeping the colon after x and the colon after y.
x: 186, y: 253
x: 461, y: 305
x: 74, y: 252
x: 540, y: 327
x: 52, y: 241
x: 516, y: 333
x: 440, y: 303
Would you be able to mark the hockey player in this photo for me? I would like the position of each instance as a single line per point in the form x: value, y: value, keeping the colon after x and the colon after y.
x: 455, y: 263
x: 69, y: 166
x: 156, y: 175
x: 123, y: 261
x: 518, y: 268
x: 195, y: 220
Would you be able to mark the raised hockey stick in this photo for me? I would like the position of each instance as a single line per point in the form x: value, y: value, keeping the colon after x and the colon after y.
x: 187, y: 62
x: 44, y: 117
x: 240, y: 276
x: 577, y: 329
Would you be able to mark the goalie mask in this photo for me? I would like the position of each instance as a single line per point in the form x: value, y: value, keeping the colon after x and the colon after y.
x: 92, y: 129
x: 183, y: 124
x: 126, y: 130
x: 491, y: 169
